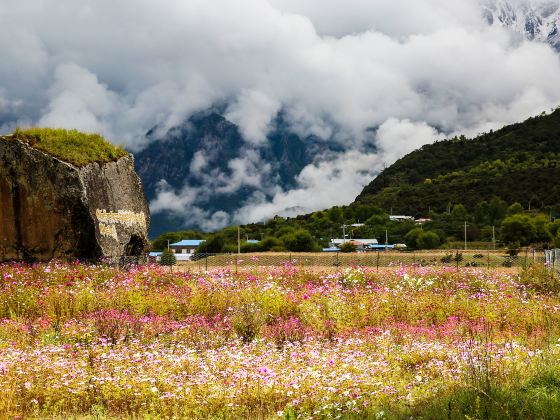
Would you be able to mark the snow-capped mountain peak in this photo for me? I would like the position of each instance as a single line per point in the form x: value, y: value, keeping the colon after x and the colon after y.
x: 538, y: 20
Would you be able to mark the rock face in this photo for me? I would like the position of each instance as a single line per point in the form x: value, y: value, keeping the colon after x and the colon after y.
x: 52, y: 209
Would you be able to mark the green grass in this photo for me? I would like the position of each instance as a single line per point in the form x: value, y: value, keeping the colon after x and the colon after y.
x: 536, y: 398
x: 71, y: 146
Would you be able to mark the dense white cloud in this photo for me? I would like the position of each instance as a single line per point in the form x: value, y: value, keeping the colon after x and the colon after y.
x: 337, y: 180
x: 414, y: 68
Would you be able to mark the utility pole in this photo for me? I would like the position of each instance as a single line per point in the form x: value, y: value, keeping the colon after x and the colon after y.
x: 465, y: 235
x: 386, y: 237
x: 168, y: 244
x: 493, y: 237
x: 238, y: 240
x: 343, y: 233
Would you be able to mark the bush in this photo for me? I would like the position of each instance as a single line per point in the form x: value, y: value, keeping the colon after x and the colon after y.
x: 348, y: 247
x: 457, y: 257
x: 427, y: 240
x: 168, y: 258
x: 299, y: 241
x: 411, y: 237
x: 268, y: 244
x: 508, y: 262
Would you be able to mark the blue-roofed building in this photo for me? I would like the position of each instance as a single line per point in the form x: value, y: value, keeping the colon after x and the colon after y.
x: 331, y: 249
x: 252, y: 241
x: 185, y: 248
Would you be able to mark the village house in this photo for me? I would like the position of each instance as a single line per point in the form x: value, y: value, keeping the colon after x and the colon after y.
x: 186, y: 246
x: 183, y: 250
x: 397, y: 218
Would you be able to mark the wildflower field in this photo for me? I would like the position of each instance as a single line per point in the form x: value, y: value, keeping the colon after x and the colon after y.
x: 81, y: 341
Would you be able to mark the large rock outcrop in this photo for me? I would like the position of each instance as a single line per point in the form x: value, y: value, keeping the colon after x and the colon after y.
x: 52, y: 209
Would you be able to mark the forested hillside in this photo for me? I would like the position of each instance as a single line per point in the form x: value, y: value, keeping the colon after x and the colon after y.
x: 519, y: 163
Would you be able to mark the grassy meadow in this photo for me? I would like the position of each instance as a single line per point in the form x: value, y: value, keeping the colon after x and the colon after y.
x: 81, y: 341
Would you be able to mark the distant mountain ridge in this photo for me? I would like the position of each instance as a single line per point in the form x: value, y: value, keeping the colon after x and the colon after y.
x: 537, y: 20
x: 198, y: 154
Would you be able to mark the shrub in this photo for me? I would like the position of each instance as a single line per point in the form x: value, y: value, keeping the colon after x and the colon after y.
x: 508, y: 262
x: 411, y: 237
x: 348, y: 247
x: 427, y: 240
x: 299, y: 241
x: 168, y: 258
x: 268, y: 244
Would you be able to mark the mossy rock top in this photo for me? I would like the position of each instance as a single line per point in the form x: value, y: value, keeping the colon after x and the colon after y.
x: 72, y: 146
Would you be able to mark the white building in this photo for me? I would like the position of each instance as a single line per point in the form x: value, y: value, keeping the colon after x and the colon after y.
x: 400, y: 218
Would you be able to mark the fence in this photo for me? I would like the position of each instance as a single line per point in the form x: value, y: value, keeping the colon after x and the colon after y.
x: 378, y: 259
x: 552, y: 259
x: 125, y: 261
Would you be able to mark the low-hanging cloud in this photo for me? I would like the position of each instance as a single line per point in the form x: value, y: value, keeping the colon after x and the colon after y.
x: 334, y: 69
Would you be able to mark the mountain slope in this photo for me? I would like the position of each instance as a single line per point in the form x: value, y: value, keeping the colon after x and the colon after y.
x: 519, y: 163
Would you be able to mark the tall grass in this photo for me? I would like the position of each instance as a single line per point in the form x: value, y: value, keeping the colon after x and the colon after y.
x: 71, y: 146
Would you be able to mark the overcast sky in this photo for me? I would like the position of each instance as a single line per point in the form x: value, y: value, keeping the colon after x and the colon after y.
x: 418, y: 69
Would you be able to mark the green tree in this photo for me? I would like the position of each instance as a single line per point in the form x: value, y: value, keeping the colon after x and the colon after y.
x: 248, y: 247
x: 515, y: 208
x: 411, y: 237
x: 364, y: 212
x: 427, y: 240
x: 542, y: 231
x: 213, y: 245
x: 299, y: 241
x: 160, y: 243
x: 482, y: 212
x: 459, y: 213
x: 269, y: 243
x: 496, y: 211
x: 557, y: 240
x: 335, y: 214
x: 518, y: 228
x: 377, y: 220
x: 554, y: 227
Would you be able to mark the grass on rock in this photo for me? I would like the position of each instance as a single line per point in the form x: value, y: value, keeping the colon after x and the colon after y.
x: 71, y: 146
